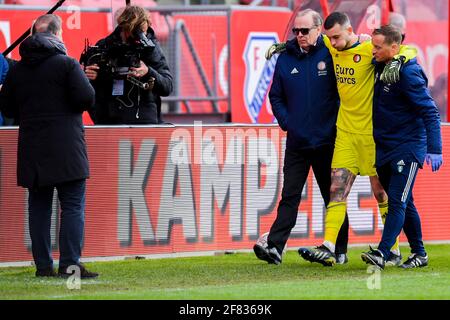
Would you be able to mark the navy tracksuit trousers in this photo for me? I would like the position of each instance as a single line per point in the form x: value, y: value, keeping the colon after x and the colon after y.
x: 398, y: 177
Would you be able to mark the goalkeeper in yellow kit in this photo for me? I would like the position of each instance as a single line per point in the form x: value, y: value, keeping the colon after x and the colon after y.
x: 354, y: 147
x: 354, y: 151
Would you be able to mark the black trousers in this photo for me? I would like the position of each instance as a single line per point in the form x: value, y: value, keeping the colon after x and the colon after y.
x: 297, y: 164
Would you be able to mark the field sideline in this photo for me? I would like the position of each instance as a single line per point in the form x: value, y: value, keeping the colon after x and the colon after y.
x: 239, y: 276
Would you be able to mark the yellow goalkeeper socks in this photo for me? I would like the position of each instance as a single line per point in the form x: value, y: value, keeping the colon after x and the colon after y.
x: 333, y: 221
x: 383, y: 207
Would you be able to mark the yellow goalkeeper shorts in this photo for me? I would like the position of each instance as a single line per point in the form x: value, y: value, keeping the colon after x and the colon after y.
x: 355, y: 152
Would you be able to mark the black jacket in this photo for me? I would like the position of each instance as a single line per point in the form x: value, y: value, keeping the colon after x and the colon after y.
x: 127, y: 108
x: 48, y: 92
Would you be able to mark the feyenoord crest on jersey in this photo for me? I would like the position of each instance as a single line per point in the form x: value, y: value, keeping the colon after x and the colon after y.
x: 356, y: 58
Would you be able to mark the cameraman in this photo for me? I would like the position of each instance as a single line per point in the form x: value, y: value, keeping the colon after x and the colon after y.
x: 119, y: 101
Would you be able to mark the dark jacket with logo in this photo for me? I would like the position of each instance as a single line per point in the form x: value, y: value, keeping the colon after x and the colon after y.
x: 48, y: 92
x: 304, y: 95
x: 135, y: 105
x: 406, y: 121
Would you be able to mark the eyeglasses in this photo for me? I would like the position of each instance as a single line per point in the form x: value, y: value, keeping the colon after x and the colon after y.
x: 303, y: 31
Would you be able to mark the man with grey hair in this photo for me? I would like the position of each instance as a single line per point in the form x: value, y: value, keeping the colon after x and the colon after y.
x: 48, y: 23
x: 280, y: 47
x: 51, y: 148
x: 305, y: 102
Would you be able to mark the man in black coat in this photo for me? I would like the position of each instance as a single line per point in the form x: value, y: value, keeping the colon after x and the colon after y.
x: 119, y: 101
x: 48, y: 92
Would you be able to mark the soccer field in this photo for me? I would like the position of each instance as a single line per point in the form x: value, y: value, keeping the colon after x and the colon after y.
x: 239, y: 276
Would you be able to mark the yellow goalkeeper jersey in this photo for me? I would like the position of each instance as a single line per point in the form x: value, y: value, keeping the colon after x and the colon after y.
x: 355, y: 82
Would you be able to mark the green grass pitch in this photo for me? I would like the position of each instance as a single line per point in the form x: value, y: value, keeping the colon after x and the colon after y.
x: 239, y: 276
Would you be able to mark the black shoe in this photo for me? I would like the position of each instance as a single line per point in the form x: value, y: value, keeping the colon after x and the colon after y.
x: 415, y: 261
x: 262, y: 253
x: 84, y: 273
x: 274, y: 255
x: 270, y: 255
x: 394, y: 260
x: 320, y: 254
x: 48, y: 272
x: 341, y: 258
x: 374, y: 257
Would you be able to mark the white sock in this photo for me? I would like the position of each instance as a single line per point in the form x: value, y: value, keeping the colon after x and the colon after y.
x: 396, y: 251
x: 329, y: 245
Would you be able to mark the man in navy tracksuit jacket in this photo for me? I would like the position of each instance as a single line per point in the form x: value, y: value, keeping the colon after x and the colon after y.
x: 407, y: 131
x: 305, y: 102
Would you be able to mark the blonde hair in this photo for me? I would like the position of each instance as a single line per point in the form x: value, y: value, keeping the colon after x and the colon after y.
x: 132, y: 18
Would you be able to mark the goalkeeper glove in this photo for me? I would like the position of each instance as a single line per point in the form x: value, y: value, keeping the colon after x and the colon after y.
x: 391, y: 72
x: 435, y: 160
x: 275, y: 48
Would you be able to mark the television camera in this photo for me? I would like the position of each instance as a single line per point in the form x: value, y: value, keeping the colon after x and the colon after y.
x: 117, y: 59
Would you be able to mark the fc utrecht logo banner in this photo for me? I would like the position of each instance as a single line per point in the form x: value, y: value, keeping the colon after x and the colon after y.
x: 258, y: 71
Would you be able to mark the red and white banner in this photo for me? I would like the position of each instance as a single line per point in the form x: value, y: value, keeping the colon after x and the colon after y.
x: 253, y: 32
x: 193, y: 189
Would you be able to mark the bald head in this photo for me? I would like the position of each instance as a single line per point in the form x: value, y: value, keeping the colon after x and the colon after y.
x: 50, y: 23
